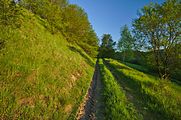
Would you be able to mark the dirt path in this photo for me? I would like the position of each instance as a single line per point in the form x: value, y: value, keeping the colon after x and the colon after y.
x: 134, y: 98
x: 92, y: 105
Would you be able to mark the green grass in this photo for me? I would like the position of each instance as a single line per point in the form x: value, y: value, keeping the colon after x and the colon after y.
x: 159, y: 96
x: 138, y: 67
x: 175, y: 76
x: 117, y: 106
x: 40, y: 76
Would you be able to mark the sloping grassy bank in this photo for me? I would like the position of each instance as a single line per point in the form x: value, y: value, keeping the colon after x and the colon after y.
x: 146, y: 70
x: 161, y: 97
x: 116, y: 105
x: 40, y: 76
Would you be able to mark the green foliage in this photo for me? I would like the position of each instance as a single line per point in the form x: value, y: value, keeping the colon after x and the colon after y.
x: 76, y: 23
x: 116, y: 105
x: 47, y: 10
x: 126, y: 43
x: 162, y: 97
x: 69, y: 20
x: 40, y: 77
x: 106, y: 49
x: 78, y: 29
x: 159, y: 26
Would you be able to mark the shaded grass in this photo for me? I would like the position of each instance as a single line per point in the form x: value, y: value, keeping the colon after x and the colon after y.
x: 116, y: 104
x: 83, y: 54
x: 138, y: 67
x: 158, y: 96
x: 40, y: 77
x: 151, y: 72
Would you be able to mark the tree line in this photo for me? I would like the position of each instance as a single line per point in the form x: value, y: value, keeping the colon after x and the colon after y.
x: 67, y: 19
x: 154, y: 41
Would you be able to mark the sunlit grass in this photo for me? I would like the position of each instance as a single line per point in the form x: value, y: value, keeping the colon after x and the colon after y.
x: 160, y: 96
x: 40, y: 76
x: 117, y: 106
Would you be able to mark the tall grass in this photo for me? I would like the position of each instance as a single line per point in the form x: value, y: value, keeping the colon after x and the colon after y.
x: 138, y: 67
x: 40, y: 77
x: 160, y: 96
x: 116, y: 105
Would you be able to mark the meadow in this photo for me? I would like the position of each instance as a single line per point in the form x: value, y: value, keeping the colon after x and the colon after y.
x: 48, y: 68
x: 154, y: 98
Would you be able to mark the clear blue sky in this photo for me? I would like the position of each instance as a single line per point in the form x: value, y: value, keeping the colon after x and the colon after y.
x: 107, y: 16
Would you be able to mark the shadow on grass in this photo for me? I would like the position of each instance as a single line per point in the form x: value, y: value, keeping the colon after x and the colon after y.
x: 88, y: 60
x: 139, y: 68
x: 2, y: 44
x: 149, y: 71
x: 142, y: 100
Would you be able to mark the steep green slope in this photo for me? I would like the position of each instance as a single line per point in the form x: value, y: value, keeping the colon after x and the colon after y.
x: 41, y: 77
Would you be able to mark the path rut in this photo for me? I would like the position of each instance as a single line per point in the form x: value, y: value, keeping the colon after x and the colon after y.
x: 92, y: 105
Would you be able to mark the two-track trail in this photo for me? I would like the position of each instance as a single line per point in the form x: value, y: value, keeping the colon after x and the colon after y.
x: 92, y: 105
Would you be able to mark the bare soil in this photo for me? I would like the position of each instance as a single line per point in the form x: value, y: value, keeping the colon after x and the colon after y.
x: 92, y: 107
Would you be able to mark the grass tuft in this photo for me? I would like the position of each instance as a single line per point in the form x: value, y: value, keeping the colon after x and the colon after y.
x: 116, y: 103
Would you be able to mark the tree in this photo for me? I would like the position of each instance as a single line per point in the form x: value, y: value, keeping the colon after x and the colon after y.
x: 91, y: 42
x: 107, y: 41
x: 159, y: 26
x: 76, y: 23
x: 50, y: 10
x: 69, y: 20
x: 106, y: 49
x: 78, y: 29
x: 126, y: 42
x: 60, y: 3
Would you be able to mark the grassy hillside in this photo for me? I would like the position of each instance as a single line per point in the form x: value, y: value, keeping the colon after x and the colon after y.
x: 161, y: 98
x: 41, y: 76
